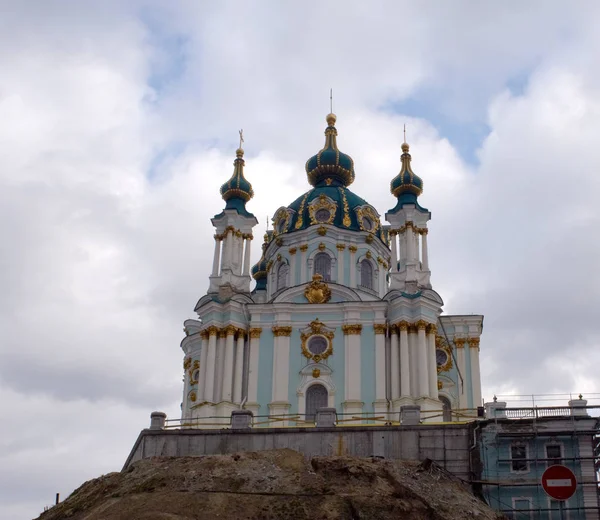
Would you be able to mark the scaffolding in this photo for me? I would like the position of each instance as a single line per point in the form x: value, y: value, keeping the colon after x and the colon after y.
x: 534, y: 427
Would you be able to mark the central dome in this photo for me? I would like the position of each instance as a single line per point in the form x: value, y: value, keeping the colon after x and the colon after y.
x: 330, y: 164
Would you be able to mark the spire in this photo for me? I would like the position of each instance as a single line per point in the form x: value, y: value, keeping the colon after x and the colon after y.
x: 407, y: 185
x: 237, y: 190
x: 330, y: 165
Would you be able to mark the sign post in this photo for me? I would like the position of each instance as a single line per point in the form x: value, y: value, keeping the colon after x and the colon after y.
x: 559, y: 483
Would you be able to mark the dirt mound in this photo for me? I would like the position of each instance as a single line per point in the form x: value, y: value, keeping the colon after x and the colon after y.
x: 278, y: 484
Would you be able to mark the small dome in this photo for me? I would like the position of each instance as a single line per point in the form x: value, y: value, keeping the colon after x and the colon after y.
x: 406, y: 184
x: 330, y: 165
x: 259, y: 270
x: 237, y: 188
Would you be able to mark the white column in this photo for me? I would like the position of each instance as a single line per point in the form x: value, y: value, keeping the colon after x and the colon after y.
x: 353, y: 379
x: 293, y: 281
x: 413, y: 357
x: 422, y: 356
x: 238, y: 372
x: 230, y: 242
x: 216, y: 257
x: 202, y: 375
x: 394, y: 239
x: 424, y: 253
x: 303, y: 266
x: 410, y: 245
x: 253, y: 365
x: 433, y: 389
x: 228, y: 355
x: 381, y: 278
x: 221, y: 339
x: 460, y: 359
x: 281, y: 364
x: 395, y: 363
x: 475, y: 372
x: 211, y: 366
x: 380, y: 361
x: 404, y: 360
x: 340, y: 263
x: 352, y: 250
x: 403, y: 248
x: 247, y: 251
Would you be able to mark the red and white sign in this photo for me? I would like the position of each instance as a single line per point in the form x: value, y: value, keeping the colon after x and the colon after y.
x: 559, y: 482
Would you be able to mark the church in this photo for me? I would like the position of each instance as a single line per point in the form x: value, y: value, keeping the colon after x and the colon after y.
x: 341, y: 314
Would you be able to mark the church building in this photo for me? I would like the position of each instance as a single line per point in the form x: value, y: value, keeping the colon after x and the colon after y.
x: 342, y: 312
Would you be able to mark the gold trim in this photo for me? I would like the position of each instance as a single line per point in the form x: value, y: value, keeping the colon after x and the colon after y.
x: 346, y: 220
x: 368, y: 255
x: 222, y: 333
x: 279, y: 241
x: 292, y: 250
x: 369, y: 239
x: 421, y: 325
x: 352, y: 249
x: 412, y: 328
x: 281, y: 215
x: 352, y: 329
x: 322, y: 246
x: 403, y: 325
x: 379, y: 328
x: 300, y: 221
x: 203, y: 334
x: 303, y: 247
x: 230, y: 330
x: 255, y: 332
x: 321, y: 202
x: 279, y: 331
x: 193, y: 396
x: 317, y: 291
x: 187, y: 362
x: 340, y: 247
x: 442, y: 344
x: 431, y: 329
x: 368, y: 212
x: 317, y: 328
x: 316, y: 373
x: 440, y: 385
x: 460, y: 342
x: 322, y: 230
x: 212, y: 330
x: 473, y: 343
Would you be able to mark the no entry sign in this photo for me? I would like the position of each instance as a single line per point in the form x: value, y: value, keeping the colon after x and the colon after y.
x: 559, y: 482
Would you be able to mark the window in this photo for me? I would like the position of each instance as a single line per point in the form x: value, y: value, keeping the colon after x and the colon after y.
x: 317, y: 345
x: 366, y: 274
x: 554, y: 454
x: 518, y: 454
x: 367, y: 224
x: 323, y: 266
x: 521, y: 508
x: 282, y: 273
x: 323, y: 215
x: 316, y: 397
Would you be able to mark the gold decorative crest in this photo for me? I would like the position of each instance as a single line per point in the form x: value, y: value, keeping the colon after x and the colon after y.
x: 281, y: 221
x: 369, y: 213
x: 352, y: 329
x: 300, y: 221
x: 442, y: 344
x: 316, y: 373
x: 317, y: 291
x: 316, y: 328
x: 322, y: 202
x: 346, y: 220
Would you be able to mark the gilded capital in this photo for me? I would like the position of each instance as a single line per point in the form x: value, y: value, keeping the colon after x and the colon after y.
x: 379, y: 328
x: 403, y: 325
x: 431, y: 329
x: 292, y: 250
x: 421, y: 325
x: 187, y: 362
x: 352, y: 249
x: 204, y: 334
x: 223, y: 333
x: 212, y: 330
x: 473, y: 342
x: 352, y: 329
x: 340, y: 247
x: 255, y: 332
x: 303, y: 247
x: 281, y: 331
x: 459, y: 342
x: 412, y: 328
x: 322, y: 230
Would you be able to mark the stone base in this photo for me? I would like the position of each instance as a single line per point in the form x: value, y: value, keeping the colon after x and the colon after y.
x: 351, y: 407
x: 381, y: 410
x: 399, y: 402
x: 279, y: 408
x: 433, y: 406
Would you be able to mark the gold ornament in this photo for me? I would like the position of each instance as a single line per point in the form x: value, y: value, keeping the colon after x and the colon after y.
x: 322, y: 230
x: 379, y: 328
x: 193, y: 397
x: 292, y: 251
x: 317, y: 328
x: 340, y: 247
x: 316, y: 373
x: 255, y: 332
x: 187, y: 363
x: 300, y: 221
x: 317, y: 291
x: 322, y: 202
x: 346, y: 220
x: 352, y: 249
x: 352, y: 329
x: 440, y: 385
x: 281, y: 331
x: 322, y: 246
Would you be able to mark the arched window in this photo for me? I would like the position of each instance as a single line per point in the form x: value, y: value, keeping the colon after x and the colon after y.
x: 282, y: 273
x: 323, y: 266
x: 447, y: 409
x: 366, y: 274
x: 316, y: 397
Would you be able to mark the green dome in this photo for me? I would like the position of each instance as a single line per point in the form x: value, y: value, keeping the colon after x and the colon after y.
x: 237, y: 189
x: 330, y: 164
x: 335, y: 205
x: 406, y: 184
x: 259, y: 270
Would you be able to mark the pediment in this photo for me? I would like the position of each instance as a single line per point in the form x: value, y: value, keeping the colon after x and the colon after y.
x: 339, y: 293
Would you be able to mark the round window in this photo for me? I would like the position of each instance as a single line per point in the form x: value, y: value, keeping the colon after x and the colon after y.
x: 323, y: 215
x: 317, y: 345
x: 367, y: 224
x: 441, y: 357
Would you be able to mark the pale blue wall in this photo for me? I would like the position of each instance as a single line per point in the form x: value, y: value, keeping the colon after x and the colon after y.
x: 367, y: 376
x: 265, y: 370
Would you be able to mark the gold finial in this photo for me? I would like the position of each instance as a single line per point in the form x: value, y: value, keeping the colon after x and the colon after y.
x: 405, y: 146
x: 404, y: 132
x: 331, y: 119
x: 330, y: 100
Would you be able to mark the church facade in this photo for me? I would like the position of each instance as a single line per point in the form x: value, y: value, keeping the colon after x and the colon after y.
x: 342, y: 313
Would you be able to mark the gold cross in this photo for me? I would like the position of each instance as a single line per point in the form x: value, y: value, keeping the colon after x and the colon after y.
x: 404, y: 132
x: 241, y: 132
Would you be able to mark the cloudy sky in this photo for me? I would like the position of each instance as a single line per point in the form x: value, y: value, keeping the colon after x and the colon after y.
x: 119, y: 121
